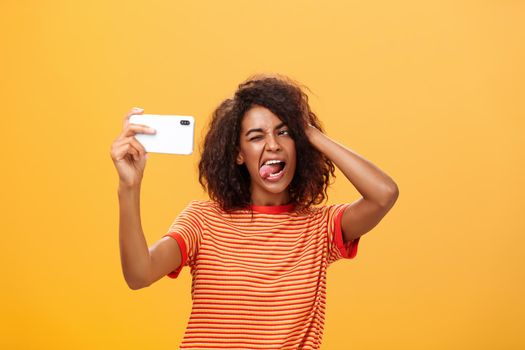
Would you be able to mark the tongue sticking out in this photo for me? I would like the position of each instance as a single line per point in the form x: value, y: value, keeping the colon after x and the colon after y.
x: 267, y: 170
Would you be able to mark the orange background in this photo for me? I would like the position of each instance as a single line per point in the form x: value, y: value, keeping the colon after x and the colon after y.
x: 432, y: 92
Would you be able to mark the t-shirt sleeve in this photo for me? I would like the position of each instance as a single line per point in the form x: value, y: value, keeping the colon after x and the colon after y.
x: 186, y: 229
x: 337, y: 248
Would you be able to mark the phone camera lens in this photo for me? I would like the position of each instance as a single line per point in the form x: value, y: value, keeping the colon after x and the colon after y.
x: 184, y: 122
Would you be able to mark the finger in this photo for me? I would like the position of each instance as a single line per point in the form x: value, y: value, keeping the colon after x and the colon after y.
x: 133, y: 141
x: 120, y: 152
x: 138, y: 146
x: 123, y: 140
x: 134, y: 110
x: 133, y: 152
x: 133, y: 129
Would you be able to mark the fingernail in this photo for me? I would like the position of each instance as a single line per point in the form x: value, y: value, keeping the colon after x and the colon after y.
x: 138, y: 109
x: 152, y: 130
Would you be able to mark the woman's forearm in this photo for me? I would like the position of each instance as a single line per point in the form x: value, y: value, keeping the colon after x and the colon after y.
x: 134, y: 252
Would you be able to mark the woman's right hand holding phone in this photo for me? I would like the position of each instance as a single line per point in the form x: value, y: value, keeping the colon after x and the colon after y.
x: 128, y: 154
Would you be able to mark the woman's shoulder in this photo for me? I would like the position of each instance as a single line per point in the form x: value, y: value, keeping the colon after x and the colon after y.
x: 200, y: 204
x: 321, y: 210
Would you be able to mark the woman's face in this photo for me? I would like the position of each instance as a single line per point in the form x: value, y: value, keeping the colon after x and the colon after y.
x: 268, y: 152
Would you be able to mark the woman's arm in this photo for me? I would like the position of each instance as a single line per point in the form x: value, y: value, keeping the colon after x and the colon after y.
x: 134, y: 254
x: 379, y: 191
x: 141, y: 265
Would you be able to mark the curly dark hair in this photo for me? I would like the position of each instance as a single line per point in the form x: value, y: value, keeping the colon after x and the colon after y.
x: 228, y: 183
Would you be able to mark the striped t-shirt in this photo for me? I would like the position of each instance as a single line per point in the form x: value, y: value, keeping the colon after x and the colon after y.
x: 259, y: 277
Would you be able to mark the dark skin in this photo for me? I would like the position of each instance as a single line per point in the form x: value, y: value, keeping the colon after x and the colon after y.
x: 143, y: 265
x: 264, y: 136
x: 379, y: 192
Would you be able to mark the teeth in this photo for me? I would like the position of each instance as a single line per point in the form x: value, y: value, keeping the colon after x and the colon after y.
x: 276, y: 174
x: 273, y: 161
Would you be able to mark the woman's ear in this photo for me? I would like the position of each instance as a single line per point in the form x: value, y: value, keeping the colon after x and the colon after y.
x: 240, y: 158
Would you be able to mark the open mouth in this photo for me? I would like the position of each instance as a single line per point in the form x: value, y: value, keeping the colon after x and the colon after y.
x: 272, y: 169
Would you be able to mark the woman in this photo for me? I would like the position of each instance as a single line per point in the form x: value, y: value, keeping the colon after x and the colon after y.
x: 259, y: 249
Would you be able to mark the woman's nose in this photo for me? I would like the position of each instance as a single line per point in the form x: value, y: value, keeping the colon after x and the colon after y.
x: 272, y: 144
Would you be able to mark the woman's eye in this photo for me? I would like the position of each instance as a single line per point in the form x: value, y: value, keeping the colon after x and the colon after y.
x: 255, y: 138
x: 284, y: 132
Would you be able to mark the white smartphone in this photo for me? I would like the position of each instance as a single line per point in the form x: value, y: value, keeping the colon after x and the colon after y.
x: 174, y: 133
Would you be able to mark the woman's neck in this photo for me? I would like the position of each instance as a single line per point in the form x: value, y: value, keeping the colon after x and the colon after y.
x: 270, y: 199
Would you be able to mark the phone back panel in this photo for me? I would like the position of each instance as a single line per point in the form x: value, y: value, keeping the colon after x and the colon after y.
x: 174, y: 133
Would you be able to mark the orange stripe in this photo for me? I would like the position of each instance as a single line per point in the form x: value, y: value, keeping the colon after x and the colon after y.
x: 258, y: 282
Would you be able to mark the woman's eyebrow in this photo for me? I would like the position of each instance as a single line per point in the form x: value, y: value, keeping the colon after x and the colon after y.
x: 261, y: 130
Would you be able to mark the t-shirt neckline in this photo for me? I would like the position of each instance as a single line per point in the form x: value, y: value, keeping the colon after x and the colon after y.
x: 272, y: 209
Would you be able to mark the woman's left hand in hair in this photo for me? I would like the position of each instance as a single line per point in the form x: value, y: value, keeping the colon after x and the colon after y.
x: 311, y: 132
